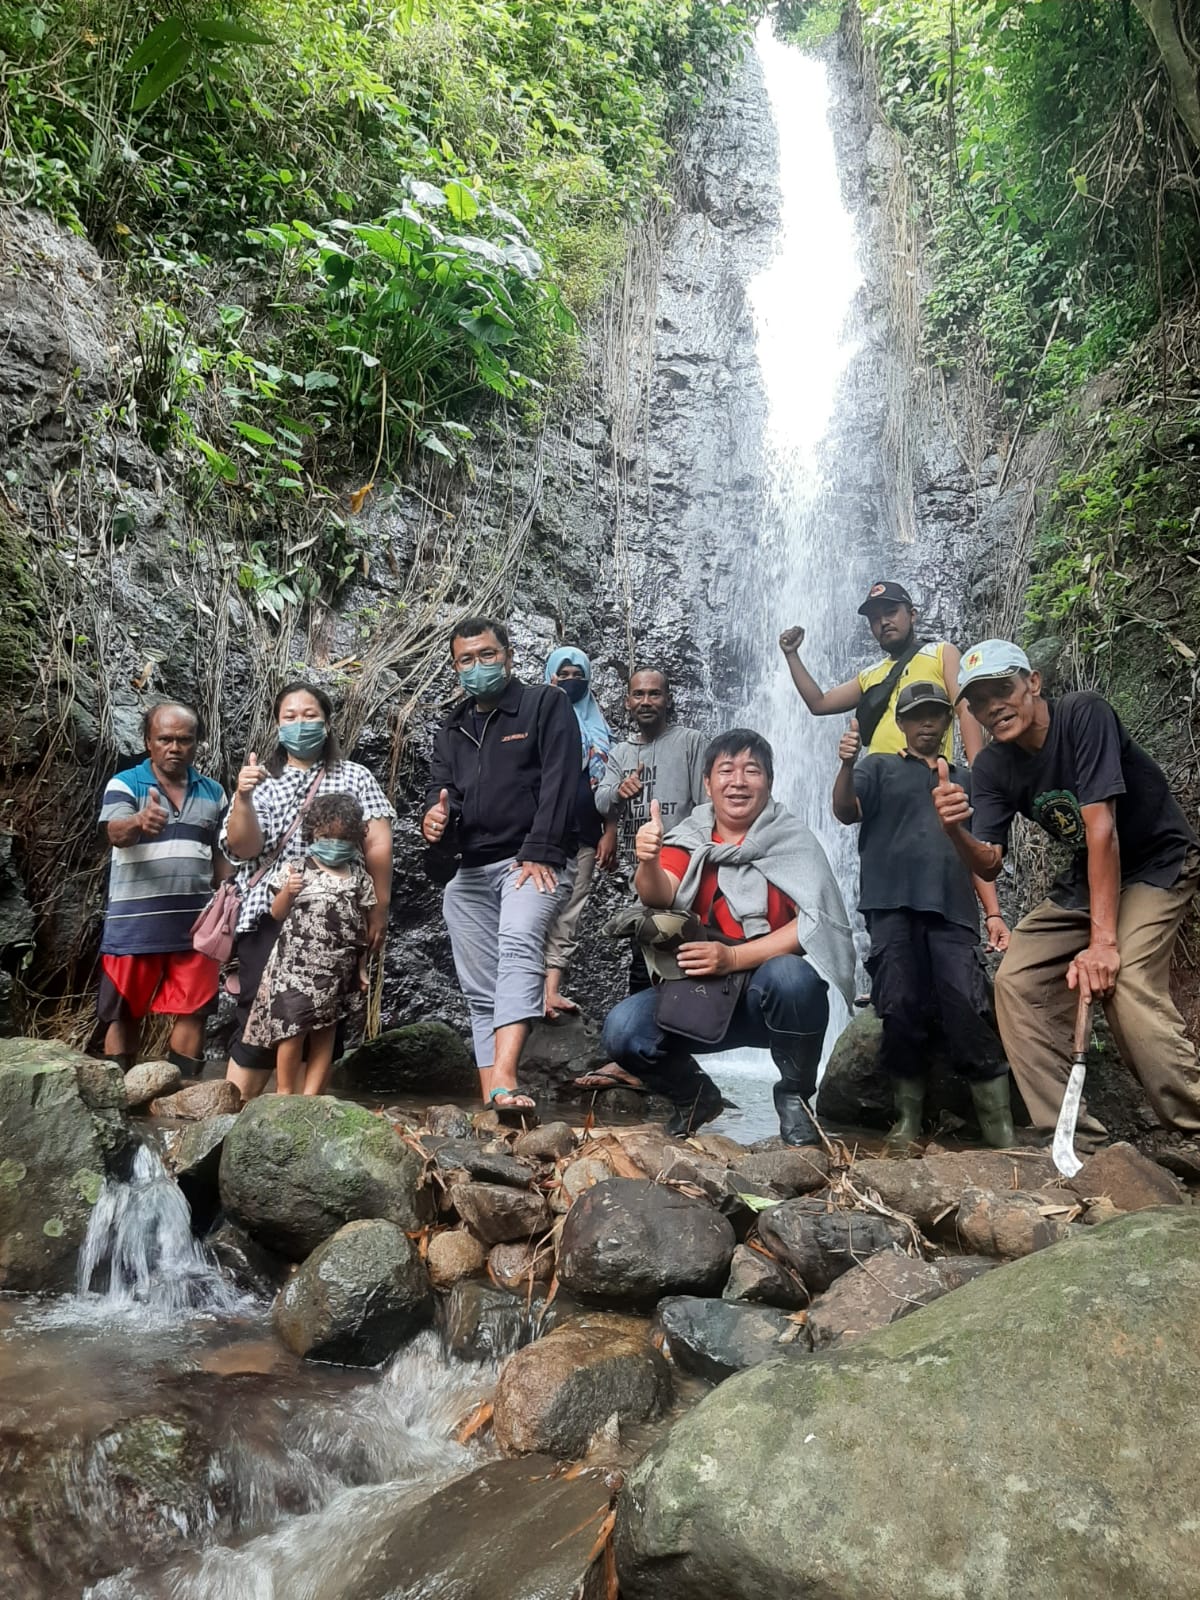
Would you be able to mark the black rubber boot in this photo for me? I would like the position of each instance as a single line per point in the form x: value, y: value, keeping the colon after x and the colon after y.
x: 909, y: 1097
x: 189, y: 1066
x: 797, y: 1086
x: 124, y: 1061
x: 994, y: 1110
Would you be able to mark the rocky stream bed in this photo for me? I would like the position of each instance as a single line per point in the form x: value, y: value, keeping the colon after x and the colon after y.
x: 353, y: 1349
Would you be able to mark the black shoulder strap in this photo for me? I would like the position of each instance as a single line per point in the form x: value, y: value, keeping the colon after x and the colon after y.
x: 875, y: 700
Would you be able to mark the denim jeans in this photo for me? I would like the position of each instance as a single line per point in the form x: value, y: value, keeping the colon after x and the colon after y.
x: 784, y: 1009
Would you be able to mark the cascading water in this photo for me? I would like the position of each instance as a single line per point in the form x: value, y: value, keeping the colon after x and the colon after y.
x: 808, y: 565
x: 140, y: 1249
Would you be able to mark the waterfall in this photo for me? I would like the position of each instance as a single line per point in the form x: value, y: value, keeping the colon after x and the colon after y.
x: 810, y: 563
x: 140, y: 1250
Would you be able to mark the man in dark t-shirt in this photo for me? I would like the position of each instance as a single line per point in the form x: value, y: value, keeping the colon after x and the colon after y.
x: 920, y: 907
x: 1110, y: 923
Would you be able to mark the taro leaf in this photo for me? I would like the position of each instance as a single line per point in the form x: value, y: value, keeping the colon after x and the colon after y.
x: 523, y: 257
x: 426, y: 194
x: 469, y: 244
x: 462, y: 202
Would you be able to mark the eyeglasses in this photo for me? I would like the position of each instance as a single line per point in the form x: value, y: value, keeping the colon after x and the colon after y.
x: 478, y: 658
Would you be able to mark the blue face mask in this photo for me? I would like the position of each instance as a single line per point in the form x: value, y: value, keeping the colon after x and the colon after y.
x: 302, y: 739
x: 333, y: 852
x: 485, y: 679
x: 575, y: 689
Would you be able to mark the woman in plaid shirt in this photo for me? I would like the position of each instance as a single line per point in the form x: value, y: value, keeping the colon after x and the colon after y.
x: 307, y: 761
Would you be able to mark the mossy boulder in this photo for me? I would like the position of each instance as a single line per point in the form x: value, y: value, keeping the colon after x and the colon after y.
x: 295, y: 1169
x: 424, y: 1058
x: 62, y: 1130
x: 1035, y: 1433
x: 359, y: 1297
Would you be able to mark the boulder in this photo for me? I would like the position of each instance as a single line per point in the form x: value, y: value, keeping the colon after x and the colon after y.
x: 550, y: 1142
x: 149, y: 1079
x: 517, y: 1266
x: 856, y: 1092
x: 359, y: 1297
x: 954, y: 1453
x: 481, y: 1323
x: 789, y: 1171
x: 929, y: 1190
x: 716, y: 1338
x: 553, y: 1395
x: 719, y: 1182
x: 193, y: 1154
x: 424, y: 1058
x: 1130, y: 1180
x: 719, y: 1146
x: 582, y: 1175
x: 62, y: 1130
x: 450, y: 1121
x: 251, y: 1266
x: 490, y: 1166
x: 819, y: 1245
x: 755, y: 1276
x: 295, y: 1168
x: 630, y: 1242
x: 1010, y: 1225
x: 497, y: 1214
x: 215, y: 1097
x: 885, y: 1288
x: 452, y: 1255
x: 649, y: 1149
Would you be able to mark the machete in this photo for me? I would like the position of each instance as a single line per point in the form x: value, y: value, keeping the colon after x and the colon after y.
x: 1063, y: 1149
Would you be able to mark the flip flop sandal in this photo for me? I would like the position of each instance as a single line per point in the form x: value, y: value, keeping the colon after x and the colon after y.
x: 517, y: 1115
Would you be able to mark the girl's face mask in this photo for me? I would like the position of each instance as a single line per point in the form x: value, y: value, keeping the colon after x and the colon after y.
x: 333, y: 852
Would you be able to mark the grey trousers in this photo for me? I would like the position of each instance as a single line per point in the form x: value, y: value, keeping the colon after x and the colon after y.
x: 498, y: 936
x: 563, y: 938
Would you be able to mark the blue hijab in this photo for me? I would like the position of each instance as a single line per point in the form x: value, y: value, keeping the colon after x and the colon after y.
x: 593, y: 729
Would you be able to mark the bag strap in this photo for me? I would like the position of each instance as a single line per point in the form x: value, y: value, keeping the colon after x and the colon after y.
x: 877, y: 698
x: 301, y: 813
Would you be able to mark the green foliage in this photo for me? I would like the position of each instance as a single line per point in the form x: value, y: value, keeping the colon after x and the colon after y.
x: 353, y: 225
x: 808, y: 23
x: 1039, y: 133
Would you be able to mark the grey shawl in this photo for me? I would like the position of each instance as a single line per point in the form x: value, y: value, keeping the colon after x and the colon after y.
x: 778, y: 849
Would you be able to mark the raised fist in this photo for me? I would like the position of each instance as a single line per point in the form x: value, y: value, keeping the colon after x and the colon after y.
x: 647, y: 846
x: 630, y: 786
x: 790, y: 640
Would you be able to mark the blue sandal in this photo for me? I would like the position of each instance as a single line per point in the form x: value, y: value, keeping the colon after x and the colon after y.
x: 510, y: 1112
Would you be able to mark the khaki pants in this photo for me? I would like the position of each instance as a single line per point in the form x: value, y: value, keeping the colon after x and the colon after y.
x: 563, y: 939
x: 1036, y: 1010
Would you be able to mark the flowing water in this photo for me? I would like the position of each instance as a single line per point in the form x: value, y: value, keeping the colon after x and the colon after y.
x: 808, y: 565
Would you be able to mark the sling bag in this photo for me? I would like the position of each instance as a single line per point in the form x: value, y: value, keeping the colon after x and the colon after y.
x: 215, y: 929
x: 701, y: 1008
x: 874, y: 702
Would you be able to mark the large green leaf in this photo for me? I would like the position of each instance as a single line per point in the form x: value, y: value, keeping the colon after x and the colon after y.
x: 229, y: 33
x: 168, y: 69
x: 155, y: 43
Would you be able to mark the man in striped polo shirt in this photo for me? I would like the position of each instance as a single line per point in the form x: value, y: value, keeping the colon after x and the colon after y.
x: 162, y: 820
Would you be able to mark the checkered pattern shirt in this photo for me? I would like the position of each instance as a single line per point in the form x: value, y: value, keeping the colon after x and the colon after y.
x: 276, y: 801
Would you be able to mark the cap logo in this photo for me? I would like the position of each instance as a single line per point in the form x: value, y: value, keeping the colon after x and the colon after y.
x: 876, y: 589
x: 972, y: 659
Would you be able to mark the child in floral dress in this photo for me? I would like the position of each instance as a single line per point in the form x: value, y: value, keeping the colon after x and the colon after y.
x: 316, y: 974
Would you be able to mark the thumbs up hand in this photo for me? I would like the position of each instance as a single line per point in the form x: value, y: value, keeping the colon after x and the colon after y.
x: 850, y: 744
x: 251, y: 775
x: 437, y: 819
x: 950, y: 800
x: 647, y: 846
x: 152, y: 818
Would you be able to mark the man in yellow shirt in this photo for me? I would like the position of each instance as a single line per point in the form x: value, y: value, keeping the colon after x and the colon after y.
x: 872, y: 695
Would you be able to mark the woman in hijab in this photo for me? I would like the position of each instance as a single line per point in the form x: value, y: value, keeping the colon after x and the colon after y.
x: 571, y: 670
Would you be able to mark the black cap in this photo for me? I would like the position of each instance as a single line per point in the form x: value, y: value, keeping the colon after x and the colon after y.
x: 888, y: 593
x: 921, y: 694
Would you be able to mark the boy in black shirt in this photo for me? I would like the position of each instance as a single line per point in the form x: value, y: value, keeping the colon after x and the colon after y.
x: 1110, y: 923
x: 920, y: 908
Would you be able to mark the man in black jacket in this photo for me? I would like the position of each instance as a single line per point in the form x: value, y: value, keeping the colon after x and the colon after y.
x: 501, y: 796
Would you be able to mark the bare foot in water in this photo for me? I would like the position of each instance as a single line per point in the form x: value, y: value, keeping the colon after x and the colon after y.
x: 609, y: 1077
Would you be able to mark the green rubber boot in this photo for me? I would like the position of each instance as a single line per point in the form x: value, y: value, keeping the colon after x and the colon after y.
x: 909, y: 1095
x: 994, y: 1110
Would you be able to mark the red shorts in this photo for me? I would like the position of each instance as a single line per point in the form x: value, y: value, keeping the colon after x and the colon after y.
x: 178, y: 982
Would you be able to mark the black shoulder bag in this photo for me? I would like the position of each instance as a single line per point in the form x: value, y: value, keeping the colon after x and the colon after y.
x: 875, y: 700
x: 701, y: 1008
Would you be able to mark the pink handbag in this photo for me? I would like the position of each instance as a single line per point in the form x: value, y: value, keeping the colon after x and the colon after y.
x: 213, y: 930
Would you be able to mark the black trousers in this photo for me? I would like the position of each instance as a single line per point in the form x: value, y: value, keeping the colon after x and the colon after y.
x: 252, y: 949
x: 927, y: 978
